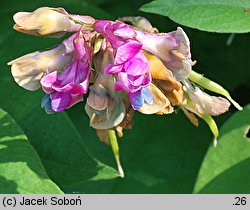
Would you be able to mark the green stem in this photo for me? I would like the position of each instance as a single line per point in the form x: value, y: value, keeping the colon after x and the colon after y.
x: 115, y: 148
x: 213, y: 127
x: 213, y: 86
x: 81, y: 23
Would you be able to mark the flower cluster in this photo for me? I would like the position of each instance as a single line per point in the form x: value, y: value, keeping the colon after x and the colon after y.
x: 118, y: 67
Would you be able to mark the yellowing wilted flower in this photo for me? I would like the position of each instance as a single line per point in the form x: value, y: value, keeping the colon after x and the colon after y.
x: 164, y: 79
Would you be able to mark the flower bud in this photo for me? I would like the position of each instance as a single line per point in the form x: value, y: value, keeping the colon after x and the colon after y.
x: 140, y: 23
x: 42, y: 21
x: 46, y: 104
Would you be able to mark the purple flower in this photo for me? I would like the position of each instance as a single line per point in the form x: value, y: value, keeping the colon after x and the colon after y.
x: 138, y: 98
x: 130, y: 65
x: 68, y: 87
x: 172, y: 48
x: 117, y: 33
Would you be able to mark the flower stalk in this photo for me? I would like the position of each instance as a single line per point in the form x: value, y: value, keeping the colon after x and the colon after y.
x: 213, y: 127
x: 115, y: 148
x: 89, y: 25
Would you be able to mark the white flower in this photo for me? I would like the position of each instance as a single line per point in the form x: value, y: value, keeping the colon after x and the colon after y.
x: 203, y: 104
x: 29, y: 69
x: 42, y: 21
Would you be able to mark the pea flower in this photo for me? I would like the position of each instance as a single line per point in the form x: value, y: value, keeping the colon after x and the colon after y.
x: 140, y: 23
x: 68, y: 87
x: 202, y: 103
x: 29, y: 69
x: 133, y: 74
x: 172, y: 48
x: 117, y: 33
x: 130, y: 64
x: 49, y: 21
x: 164, y: 79
x: 123, y: 68
x: 104, y: 106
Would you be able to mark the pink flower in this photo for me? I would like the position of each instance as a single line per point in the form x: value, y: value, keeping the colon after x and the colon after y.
x: 68, y: 87
x: 117, y: 33
x: 130, y: 65
x: 172, y: 48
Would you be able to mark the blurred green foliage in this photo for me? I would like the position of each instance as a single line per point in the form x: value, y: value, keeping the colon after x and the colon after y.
x: 161, y: 154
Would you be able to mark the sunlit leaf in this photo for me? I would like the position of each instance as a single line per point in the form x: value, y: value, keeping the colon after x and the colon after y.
x: 21, y: 170
x: 222, y: 16
x: 225, y: 169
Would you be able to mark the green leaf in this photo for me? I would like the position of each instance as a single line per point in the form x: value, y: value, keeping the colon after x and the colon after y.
x: 21, y: 170
x: 161, y: 154
x: 55, y: 138
x: 225, y: 169
x: 224, y: 16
